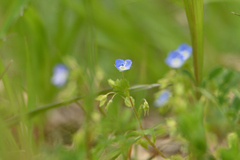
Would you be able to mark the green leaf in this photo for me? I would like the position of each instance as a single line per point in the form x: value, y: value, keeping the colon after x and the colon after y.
x: 102, y: 99
x: 13, y: 14
x: 120, y: 86
x: 143, y: 143
x: 188, y: 74
x: 153, y: 137
x: 215, y: 72
x: 140, y: 110
x: 129, y: 102
x: 232, y: 139
x: 108, y: 104
x: 111, y: 82
x: 190, y: 125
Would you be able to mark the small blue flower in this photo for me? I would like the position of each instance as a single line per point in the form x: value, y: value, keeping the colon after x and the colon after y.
x: 185, y: 50
x: 122, y: 65
x: 162, y: 98
x: 174, y: 59
x: 60, y: 75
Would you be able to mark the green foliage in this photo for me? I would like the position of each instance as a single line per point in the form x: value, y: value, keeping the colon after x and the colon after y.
x: 41, y: 121
x: 194, y: 12
x: 120, y: 86
x: 233, y: 151
x: 129, y: 101
x: 102, y: 99
x: 145, y: 108
x: 191, y: 127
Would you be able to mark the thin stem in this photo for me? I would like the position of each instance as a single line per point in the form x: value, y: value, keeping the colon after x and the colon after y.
x: 122, y: 75
x: 140, y: 124
x: 84, y: 110
x: 15, y: 119
x: 129, y: 153
x: 9, y: 64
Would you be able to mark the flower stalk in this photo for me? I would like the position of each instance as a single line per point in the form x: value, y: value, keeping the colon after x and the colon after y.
x: 140, y: 125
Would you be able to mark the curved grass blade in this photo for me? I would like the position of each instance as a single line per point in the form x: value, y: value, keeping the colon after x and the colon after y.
x: 13, y: 14
x: 6, y: 69
x: 15, y: 119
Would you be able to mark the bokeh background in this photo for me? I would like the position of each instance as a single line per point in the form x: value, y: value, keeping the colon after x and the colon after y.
x: 88, y: 36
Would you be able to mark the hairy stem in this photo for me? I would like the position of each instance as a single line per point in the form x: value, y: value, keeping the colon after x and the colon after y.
x: 140, y: 125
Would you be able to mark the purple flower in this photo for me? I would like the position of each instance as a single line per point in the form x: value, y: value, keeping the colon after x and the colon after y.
x: 60, y: 75
x: 174, y: 59
x: 185, y: 50
x: 122, y: 65
x: 162, y: 98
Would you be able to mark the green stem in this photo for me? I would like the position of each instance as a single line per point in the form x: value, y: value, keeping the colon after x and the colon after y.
x: 9, y: 64
x: 122, y: 75
x: 194, y: 12
x: 140, y: 125
x: 15, y: 119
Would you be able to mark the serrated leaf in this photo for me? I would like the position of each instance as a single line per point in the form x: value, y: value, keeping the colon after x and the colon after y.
x: 121, y: 87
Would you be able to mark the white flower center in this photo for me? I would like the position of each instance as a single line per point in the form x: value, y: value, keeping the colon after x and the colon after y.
x: 122, y: 67
x: 176, y: 62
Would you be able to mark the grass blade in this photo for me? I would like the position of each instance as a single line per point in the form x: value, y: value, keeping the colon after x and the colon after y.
x: 194, y: 12
x: 14, y: 120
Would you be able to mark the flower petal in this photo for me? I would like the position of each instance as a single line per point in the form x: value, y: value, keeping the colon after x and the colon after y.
x: 185, y: 50
x: 162, y: 98
x: 60, y: 68
x: 128, y: 64
x: 60, y: 75
x: 174, y: 59
x: 119, y: 62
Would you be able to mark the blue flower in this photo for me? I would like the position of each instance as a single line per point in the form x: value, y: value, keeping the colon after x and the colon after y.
x: 162, y: 98
x: 185, y: 50
x: 122, y: 65
x: 174, y: 59
x: 60, y: 75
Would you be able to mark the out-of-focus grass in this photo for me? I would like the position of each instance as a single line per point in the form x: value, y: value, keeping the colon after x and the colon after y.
x: 88, y: 36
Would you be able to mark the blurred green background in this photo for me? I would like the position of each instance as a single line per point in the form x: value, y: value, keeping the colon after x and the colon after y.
x: 89, y: 35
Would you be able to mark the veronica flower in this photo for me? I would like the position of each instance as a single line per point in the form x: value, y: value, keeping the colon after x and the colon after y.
x: 122, y: 65
x: 60, y: 75
x: 162, y: 98
x: 185, y: 50
x: 174, y: 59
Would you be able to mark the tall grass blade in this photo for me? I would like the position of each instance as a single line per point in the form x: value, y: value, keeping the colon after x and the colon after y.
x: 194, y: 12
x: 13, y: 13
